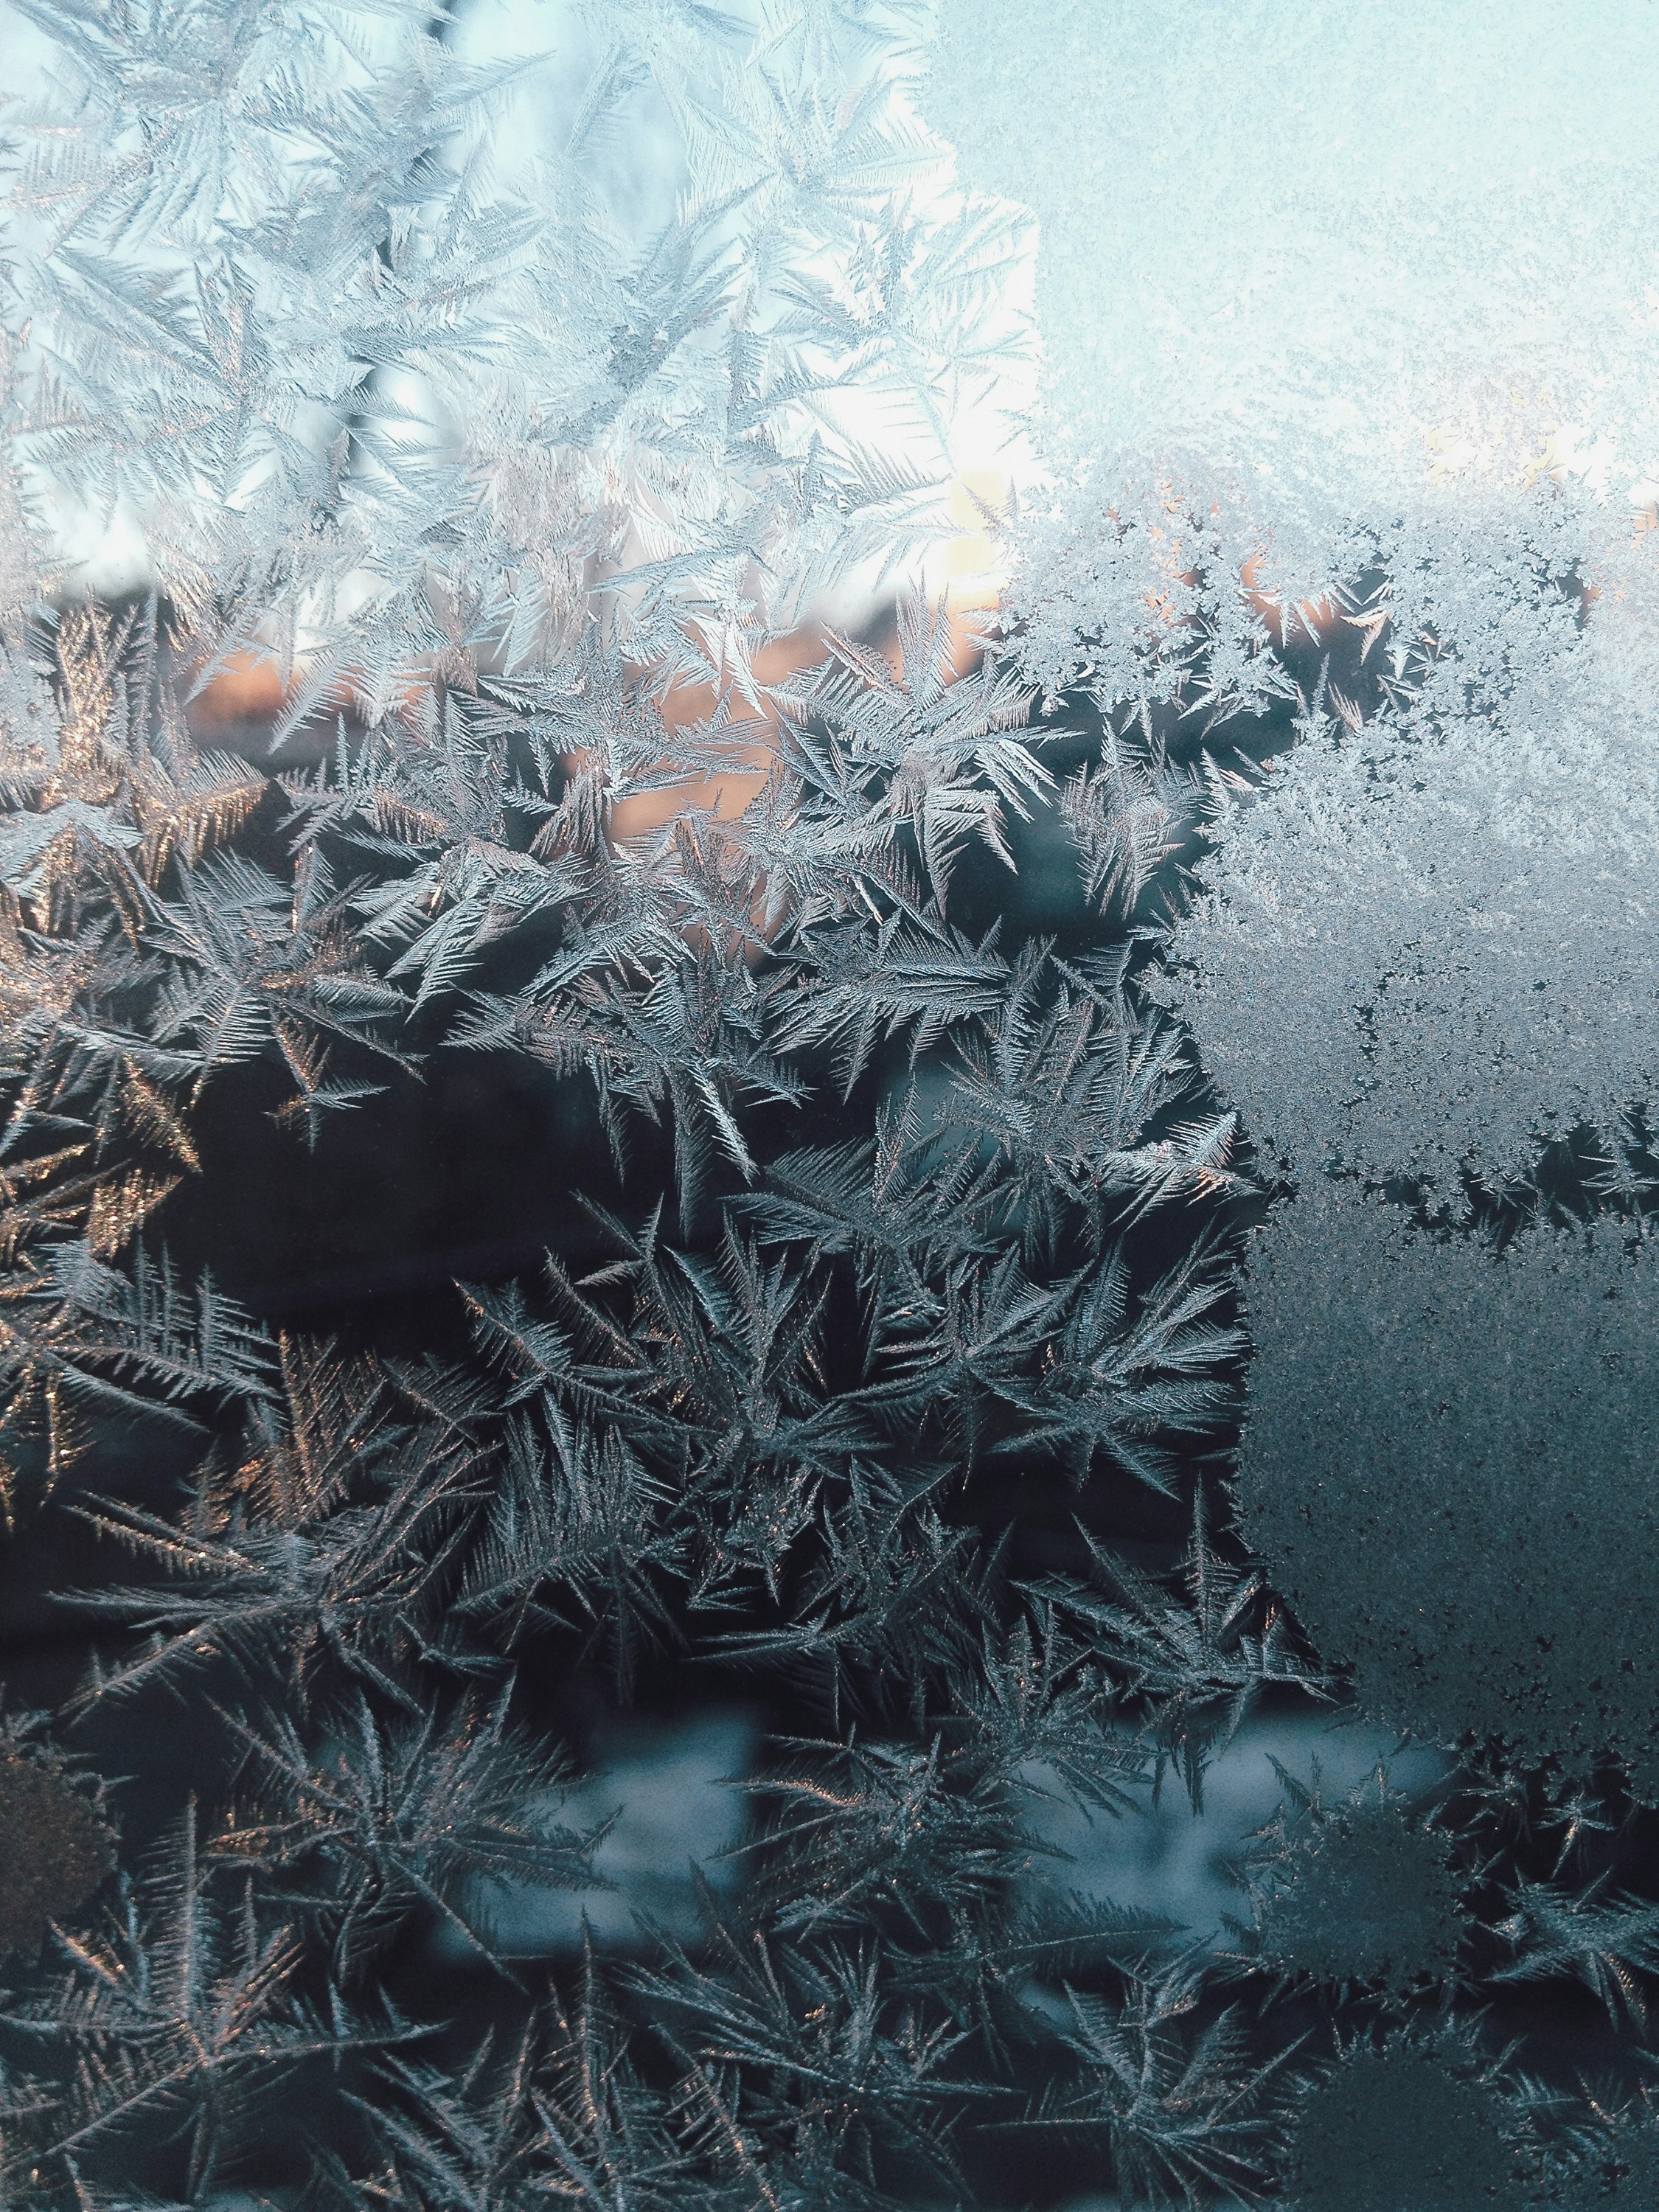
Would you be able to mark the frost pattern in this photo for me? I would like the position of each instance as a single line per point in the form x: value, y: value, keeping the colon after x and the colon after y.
x: 477, y: 475
x: 1448, y: 1461
x: 1427, y: 947
x: 1401, y: 2127
x: 1355, y: 1892
x: 1303, y: 245
x: 292, y: 327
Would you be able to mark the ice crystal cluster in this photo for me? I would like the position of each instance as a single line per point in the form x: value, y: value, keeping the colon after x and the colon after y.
x: 1360, y: 1891
x: 633, y: 1153
x: 1428, y: 947
x: 347, y: 364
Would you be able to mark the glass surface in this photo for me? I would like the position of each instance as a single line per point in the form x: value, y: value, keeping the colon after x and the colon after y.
x: 829, y: 1024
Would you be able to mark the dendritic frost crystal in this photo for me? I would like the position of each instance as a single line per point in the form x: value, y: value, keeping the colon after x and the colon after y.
x: 828, y: 1037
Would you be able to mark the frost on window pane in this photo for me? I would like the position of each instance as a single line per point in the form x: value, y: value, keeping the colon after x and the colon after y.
x: 489, y: 412
x: 1429, y: 945
x: 59, y: 1838
x: 371, y: 348
x: 1350, y: 338
x: 1360, y: 1892
x: 1448, y: 1464
x: 1402, y: 2126
x: 1618, y: 2168
x: 1300, y: 243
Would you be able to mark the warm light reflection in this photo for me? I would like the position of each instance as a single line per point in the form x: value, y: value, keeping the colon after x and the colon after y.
x: 730, y: 792
x: 246, y: 698
x: 247, y: 693
x: 979, y: 498
x: 1314, y: 616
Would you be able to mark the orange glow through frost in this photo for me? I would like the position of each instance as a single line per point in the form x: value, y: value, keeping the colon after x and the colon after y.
x: 248, y: 695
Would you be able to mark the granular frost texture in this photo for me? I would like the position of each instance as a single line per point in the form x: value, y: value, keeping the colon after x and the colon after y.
x: 1358, y: 1893
x: 1447, y: 1463
x: 1395, y: 2130
x: 54, y: 1852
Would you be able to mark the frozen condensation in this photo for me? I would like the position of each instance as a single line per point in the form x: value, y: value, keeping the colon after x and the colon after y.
x: 1302, y: 239
x: 1448, y: 1465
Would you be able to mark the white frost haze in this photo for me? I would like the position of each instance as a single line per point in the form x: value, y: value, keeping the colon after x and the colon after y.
x: 1351, y: 291
x: 1297, y: 238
